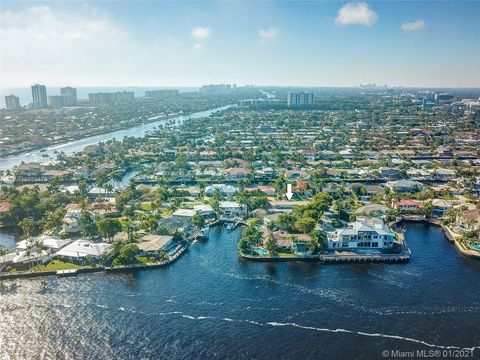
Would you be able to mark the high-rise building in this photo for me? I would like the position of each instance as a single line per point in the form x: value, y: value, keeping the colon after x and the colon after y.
x: 39, y: 95
x: 111, y: 98
x: 442, y: 99
x: 12, y: 102
x: 70, y: 95
x: 299, y: 99
x: 427, y: 104
x: 161, y: 93
x: 124, y: 96
x: 57, y: 100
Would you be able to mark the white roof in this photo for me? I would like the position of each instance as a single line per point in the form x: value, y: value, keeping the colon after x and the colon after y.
x: 222, y: 187
x: 441, y: 203
x: 203, y: 208
x: 184, y: 213
x: 100, y: 191
x: 83, y: 248
x: 369, y: 225
x: 229, y: 204
x: 22, y: 256
x: 51, y: 242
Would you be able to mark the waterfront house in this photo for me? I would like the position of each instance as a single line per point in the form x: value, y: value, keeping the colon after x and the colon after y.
x: 205, y: 210
x: 21, y: 258
x: 80, y: 250
x: 31, y: 172
x: 469, y: 219
x: 287, y: 242
x: 227, y: 190
x: 152, y: 245
x: 231, y: 209
x: 172, y: 224
x: 268, y: 190
x: 368, y: 234
x: 406, y: 205
x: 44, y: 242
x: 185, y: 214
x: 401, y: 186
x: 237, y: 173
x: 440, y: 207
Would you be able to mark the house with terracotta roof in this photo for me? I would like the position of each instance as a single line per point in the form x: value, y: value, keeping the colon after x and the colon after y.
x: 406, y: 205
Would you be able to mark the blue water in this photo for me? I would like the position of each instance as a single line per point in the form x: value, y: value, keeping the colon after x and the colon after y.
x: 7, y: 241
x: 212, y: 305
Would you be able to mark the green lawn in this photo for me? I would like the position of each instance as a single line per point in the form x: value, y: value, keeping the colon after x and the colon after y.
x: 143, y: 259
x: 56, y: 265
x: 284, y: 254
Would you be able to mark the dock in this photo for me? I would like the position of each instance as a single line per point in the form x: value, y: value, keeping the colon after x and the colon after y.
x: 338, y: 257
x: 65, y: 273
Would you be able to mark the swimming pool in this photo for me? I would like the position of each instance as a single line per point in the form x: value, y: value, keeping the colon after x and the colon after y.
x: 260, y: 251
x: 475, y: 246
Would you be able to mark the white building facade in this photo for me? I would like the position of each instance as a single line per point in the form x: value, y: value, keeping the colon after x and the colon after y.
x: 361, y: 235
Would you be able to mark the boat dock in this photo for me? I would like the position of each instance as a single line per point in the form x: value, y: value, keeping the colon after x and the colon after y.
x: 338, y: 257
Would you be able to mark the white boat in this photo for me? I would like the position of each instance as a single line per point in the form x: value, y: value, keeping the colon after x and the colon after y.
x: 204, y: 232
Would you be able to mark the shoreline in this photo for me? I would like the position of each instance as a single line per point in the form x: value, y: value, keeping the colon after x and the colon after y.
x: 94, y: 269
x: 370, y: 258
x: 325, y: 259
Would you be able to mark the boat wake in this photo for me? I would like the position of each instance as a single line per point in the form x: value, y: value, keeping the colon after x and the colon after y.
x: 311, y: 328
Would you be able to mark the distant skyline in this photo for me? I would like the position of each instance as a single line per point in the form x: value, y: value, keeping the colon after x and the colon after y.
x: 321, y: 44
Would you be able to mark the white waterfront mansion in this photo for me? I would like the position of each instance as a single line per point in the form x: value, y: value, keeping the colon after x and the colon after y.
x: 365, y: 234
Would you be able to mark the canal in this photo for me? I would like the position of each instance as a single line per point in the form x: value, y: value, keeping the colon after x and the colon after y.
x: 212, y: 305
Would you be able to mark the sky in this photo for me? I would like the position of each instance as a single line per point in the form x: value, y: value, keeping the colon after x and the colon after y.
x: 191, y: 43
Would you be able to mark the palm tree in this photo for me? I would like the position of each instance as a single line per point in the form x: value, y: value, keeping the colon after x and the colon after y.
x: 27, y: 226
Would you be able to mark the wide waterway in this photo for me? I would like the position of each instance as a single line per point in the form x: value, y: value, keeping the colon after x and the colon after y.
x: 211, y: 305
x: 39, y: 155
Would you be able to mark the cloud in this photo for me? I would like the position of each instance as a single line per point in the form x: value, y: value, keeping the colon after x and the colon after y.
x: 198, y: 46
x: 267, y: 34
x: 201, y: 33
x: 413, y: 26
x: 356, y: 14
x: 82, y: 46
